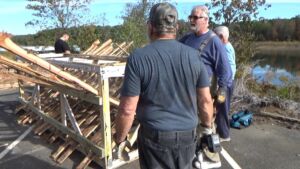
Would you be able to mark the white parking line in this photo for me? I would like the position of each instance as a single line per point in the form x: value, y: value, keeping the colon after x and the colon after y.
x: 229, y: 159
x: 13, y: 144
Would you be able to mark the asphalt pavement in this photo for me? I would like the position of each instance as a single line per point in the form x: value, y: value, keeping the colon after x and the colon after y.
x: 260, y: 146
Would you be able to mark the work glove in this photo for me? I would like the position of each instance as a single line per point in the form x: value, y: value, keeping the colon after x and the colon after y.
x: 221, y: 94
x: 119, y: 151
x: 204, y: 131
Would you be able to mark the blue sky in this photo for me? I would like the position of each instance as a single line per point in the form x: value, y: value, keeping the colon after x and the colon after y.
x: 14, y: 15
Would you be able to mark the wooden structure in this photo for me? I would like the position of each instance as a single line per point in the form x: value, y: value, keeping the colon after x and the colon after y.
x: 74, y: 99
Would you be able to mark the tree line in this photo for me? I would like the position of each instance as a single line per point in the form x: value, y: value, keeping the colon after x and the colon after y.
x: 277, y: 29
x: 83, y: 36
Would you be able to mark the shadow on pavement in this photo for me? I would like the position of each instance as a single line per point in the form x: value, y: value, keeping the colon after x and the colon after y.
x: 26, y: 162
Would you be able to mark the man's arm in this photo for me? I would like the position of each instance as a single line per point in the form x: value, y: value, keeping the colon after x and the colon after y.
x: 67, y: 52
x: 66, y: 48
x: 223, y: 69
x: 205, y: 106
x: 125, y: 117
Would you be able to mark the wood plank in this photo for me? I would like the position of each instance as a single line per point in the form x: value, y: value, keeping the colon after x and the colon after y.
x: 62, y: 147
x: 86, y: 161
x: 90, y: 156
x: 74, y: 145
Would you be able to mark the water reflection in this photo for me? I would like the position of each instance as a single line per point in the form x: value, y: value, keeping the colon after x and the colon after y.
x: 278, y: 68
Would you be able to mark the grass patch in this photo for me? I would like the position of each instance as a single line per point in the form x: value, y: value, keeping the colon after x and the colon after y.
x: 290, y: 91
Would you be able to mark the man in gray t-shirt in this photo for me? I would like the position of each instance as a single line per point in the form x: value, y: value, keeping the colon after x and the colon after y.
x: 164, y: 84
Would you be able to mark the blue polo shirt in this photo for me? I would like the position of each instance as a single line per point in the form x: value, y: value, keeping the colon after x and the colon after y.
x: 231, y: 58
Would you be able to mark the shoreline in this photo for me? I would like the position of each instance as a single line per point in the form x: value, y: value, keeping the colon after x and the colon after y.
x: 282, y: 46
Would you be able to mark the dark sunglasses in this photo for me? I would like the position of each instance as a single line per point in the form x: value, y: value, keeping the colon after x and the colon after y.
x: 195, y: 17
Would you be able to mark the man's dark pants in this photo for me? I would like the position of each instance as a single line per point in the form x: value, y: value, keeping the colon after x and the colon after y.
x: 223, y: 109
x: 166, y: 150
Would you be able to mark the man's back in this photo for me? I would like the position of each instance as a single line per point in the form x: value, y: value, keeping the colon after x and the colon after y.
x: 169, y: 73
x: 61, y: 46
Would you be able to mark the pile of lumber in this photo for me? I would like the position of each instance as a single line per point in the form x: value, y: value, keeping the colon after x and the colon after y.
x: 51, y: 78
x: 108, y: 48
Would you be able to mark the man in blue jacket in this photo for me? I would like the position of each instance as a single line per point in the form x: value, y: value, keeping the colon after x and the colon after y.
x: 214, y: 57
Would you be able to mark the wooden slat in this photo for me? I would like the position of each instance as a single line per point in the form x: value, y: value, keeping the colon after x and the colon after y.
x: 92, y: 47
x: 106, y: 43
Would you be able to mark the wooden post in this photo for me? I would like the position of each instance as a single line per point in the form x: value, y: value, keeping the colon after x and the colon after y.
x: 35, y: 98
x: 62, y: 110
x: 38, y: 96
x: 106, y: 127
x: 21, y: 89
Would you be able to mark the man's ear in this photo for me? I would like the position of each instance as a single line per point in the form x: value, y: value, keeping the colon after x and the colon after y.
x: 151, y: 29
x: 221, y: 37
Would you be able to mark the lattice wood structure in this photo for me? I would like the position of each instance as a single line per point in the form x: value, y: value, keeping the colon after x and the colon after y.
x: 74, y: 99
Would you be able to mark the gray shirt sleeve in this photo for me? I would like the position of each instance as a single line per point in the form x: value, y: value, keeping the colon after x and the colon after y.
x: 132, y: 82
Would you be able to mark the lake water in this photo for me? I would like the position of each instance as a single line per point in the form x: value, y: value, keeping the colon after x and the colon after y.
x: 278, y: 68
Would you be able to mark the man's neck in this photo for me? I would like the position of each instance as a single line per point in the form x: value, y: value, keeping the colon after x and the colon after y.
x: 164, y: 37
x: 202, y: 32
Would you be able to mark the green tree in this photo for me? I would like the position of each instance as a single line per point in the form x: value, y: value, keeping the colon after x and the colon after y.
x: 261, y: 29
x: 83, y: 36
x: 285, y: 29
x: 237, y: 15
x: 134, y: 25
x: 135, y: 17
x: 297, y: 27
x: 233, y: 11
x: 57, y: 13
x: 183, y: 28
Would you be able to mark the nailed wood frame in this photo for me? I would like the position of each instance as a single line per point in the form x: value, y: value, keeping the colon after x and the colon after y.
x: 67, y: 109
x: 82, y: 140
